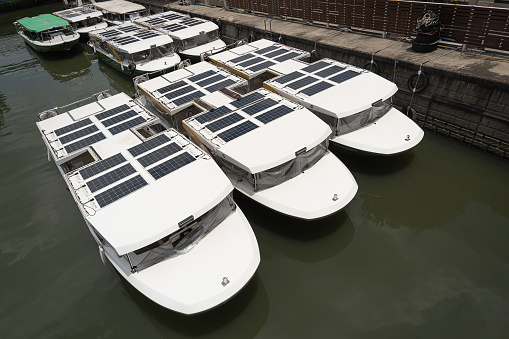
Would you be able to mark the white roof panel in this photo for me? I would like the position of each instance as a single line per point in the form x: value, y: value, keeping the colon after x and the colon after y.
x: 119, y: 6
x: 76, y: 14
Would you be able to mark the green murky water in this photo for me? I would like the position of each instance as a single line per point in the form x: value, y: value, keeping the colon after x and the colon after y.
x: 421, y: 252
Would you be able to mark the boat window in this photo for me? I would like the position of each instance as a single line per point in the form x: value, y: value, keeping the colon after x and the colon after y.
x: 166, y: 49
x: 200, y: 39
x: 290, y: 169
x: 367, y: 117
x: 140, y: 56
x: 183, y: 240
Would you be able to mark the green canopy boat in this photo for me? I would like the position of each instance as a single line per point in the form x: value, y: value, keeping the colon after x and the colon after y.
x: 47, y: 32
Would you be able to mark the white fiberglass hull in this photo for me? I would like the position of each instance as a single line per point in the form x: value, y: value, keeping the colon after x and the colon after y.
x: 320, y: 191
x: 392, y: 134
x: 195, y: 282
x: 212, y: 47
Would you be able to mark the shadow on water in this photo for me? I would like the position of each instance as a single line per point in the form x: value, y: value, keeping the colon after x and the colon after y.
x: 117, y: 80
x: 306, y: 241
x: 245, y: 312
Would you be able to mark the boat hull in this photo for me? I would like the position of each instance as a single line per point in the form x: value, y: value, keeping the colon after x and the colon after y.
x: 114, y: 64
x: 65, y: 46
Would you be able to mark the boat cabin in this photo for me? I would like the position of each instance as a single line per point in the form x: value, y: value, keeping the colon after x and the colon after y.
x: 116, y: 12
x: 83, y: 19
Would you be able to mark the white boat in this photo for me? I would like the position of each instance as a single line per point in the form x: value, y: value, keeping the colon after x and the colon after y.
x: 192, y: 36
x: 274, y: 152
x: 356, y: 103
x: 159, y: 208
x: 47, y: 33
x: 134, y: 50
x: 173, y: 95
x: 117, y: 12
x: 83, y: 19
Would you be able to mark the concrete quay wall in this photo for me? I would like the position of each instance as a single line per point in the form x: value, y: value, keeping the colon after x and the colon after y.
x: 467, y: 96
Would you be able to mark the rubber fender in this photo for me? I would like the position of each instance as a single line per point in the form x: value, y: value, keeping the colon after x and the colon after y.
x: 219, y: 24
x: 416, y: 88
x: 314, y: 56
x: 66, y: 46
x: 131, y: 67
x: 371, y: 66
x: 281, y: 41
x: 410, y: 112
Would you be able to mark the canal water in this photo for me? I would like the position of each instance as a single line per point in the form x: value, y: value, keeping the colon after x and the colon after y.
x: 421, y: 252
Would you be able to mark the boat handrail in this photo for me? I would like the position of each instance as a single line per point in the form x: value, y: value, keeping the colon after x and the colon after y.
x: 60, y: 109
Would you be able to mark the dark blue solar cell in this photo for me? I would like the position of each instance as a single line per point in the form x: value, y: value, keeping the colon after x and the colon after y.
x: 259, y: 106
x: 247, y: 99
x: 111, y: 112
x: 119, y: 118
x: 211, y: 115
x: 173, y: 27
x: 78, y: 134
x: 289, y: 77
x: 84, y: 142
x: 73, y: 126
x: 188, y: 98
x: 275, y: 53
x: 211, y: 80
x: 266, y: 49
x: 219, y: 85
x: 200, y: 76
x: 224, y: 122
x: 287, y: 56
x: 329, y: 71
x: 237, y: 131
x: 121, y: 190
x: 171, y: 87
x: 149, y: 144
x: 273, y: 114
x: 315, y: 66
x: 302, y: 82
x: 171, y: 165
x: 261, y: 66
x: 126, y: 125
x: 110, y: 177
x: 251, y: 62
x: 344, y: 76
x: 159, y: 154
x: 242, y: 58
x: 102, y: 166
x: 178, y: 92
x: 316, y: 88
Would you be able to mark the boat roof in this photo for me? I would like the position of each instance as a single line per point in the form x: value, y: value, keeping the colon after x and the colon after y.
x: 260, y: 130
x: 78, y: 13
x: 330, y: 86
x: 42, y: 22
x: 177, y: 90
x: 119, y: 6
x: 131, y: 38
x: 252, y: 59
x: 139, y: 189
x: 177, y: 25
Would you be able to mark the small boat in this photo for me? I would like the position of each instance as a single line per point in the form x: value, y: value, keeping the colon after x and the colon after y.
x: 356, y: 103
x: 83, y: 20
x: 172, y: 95
x: 192, y: 37
x: 47, y: 33
x: 160, y: 210
x: 274, y: 152
x: 116, y: 12
x: 134, y: 50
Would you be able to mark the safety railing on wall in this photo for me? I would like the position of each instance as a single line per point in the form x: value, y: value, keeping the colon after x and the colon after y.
x: 473, y: 25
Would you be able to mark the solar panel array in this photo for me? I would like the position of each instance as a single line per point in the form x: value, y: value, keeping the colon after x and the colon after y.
x: 119, y: 191
x: 128, y: 34
x: 316, y: 77
x: 102, y: 166
x: 74, y: 12
x: 237, y: 131
x: 171, y: 165
x: 171, y: 22
x: 110, y: 177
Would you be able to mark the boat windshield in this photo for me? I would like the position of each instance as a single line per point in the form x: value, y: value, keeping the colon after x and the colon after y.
x: 200, y: 39
x: 364, y: 118
x: 183, y: 240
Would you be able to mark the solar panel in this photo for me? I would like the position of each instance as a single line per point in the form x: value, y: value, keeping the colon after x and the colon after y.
x: 110, y: 177
x: 344, y: 76
x: 251, y: 62
x: 220, y: 85
x: 110, y: 33
x: 72, y: 127
x: 102, y: 166
x: 173, y: 27
x: 146, y: 35
x: 159, y: 154
x: 259, y: 106
x: 178, y: 92
x: 211, y: 115
x: 224, y: 122
x: 315, y: 66
x: 78, y: 134
x: 120, y: 191
x: 172, y: 16
x: 155, y: 21
x: 266, y: 49
x: 275, y: 53
x: 210, y: 80
x: 261, y: 66
x: 237, y: 131
x: 148, y: 145
x: 191, y: 23
x: 129, y: 28
x: 289, y: 77
x: 302, y: 82
x: 188, y: 98
x: 118, y: 118
x: 329, y: 71
x: 274, y: 113
x: 171, y: 87
x: 126, y: 125
x: 200, y: 76
x: 316, y: 88
x: 171, y: 165
x: 247, y: 99
x: 110, y: 112
x: 125, y: 41
x: 287, y: 56
x: 242, y: 58
x: 84, y: 142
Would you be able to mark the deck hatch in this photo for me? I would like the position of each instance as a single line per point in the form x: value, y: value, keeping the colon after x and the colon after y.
x: 73, y: 126
x: 121, y: 190
x: 112, y: 111
x: 171, y: 165
x: 78, y: 134
x: 316, y: 88
x: 126, y: 125
x: 110, y: 178
x: 148, y: 145
x: 224, y: 122
x: 247, y: 99
x: 159, y: 154
x: 102, y: 166
x: 273, y: 114
x: 259, y: 106
x: 84, y: 142
x: 211, y: 115
x: 341, y: 77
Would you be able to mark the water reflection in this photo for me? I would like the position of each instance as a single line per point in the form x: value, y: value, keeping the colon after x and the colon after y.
x: 4, y: 109
x: 119, y: 81
x: 245, y: 313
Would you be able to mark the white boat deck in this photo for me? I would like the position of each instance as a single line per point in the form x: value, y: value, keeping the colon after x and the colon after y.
x: 131, y: 38
x: 255, y: 58
x: 177, y: 90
